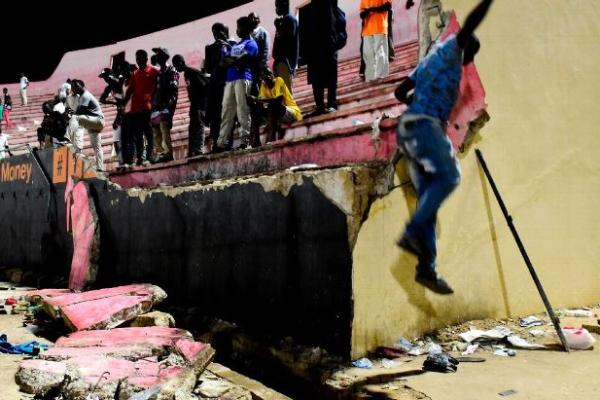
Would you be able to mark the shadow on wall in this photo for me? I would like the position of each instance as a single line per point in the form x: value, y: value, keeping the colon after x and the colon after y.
x: 403, y: 270
x: 494, y: 240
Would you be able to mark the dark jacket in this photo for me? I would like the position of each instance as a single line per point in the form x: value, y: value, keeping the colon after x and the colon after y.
x: 285, y: 45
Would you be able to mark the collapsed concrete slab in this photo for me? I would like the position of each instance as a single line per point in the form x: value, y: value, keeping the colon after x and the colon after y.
x: 82, y: 220
x: 104, y: 308
x: 54, y: 304
x: 39, y: 376
x: 119, y: 363
x: 154, y: 335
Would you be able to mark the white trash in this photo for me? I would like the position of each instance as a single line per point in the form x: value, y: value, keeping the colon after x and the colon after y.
x: 578, y: 338
x: 581, y: 313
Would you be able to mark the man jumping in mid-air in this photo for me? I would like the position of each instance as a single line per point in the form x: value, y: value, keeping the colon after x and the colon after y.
x: 432, y: 163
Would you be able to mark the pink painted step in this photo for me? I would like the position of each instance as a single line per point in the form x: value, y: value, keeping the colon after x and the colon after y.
x: 124, y: 336
x: 53, y: 305
x: 105, y: 313
x: 126, y: 352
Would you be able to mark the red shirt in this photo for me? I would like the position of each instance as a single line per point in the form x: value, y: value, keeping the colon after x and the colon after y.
x: 143, y: 85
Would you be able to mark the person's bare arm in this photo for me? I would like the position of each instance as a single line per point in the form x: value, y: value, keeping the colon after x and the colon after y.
x: 473, y: 21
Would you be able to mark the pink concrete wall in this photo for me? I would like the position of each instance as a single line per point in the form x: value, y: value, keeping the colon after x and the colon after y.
x: 189, y: 39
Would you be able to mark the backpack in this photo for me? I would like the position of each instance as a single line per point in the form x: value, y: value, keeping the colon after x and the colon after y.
x: 341, y: 36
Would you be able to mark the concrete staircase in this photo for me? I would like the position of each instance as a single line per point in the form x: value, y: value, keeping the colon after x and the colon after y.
x: 359, y: 103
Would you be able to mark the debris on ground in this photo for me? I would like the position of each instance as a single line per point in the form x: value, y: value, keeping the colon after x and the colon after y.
x: 578, y: 338
x: 579, y: 313
x: 30, y: 347
x: 99, y: 360
x: 504, y: 352
x: 363, y: 363
x: 441, y: 362
x: 154, y: 318
x: 103, y: 308
x: 530, y: 321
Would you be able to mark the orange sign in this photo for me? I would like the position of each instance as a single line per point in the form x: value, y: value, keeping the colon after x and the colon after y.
x: 65, y: 164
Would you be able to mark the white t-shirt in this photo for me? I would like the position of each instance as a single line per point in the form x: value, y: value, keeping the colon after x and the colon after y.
x: 88, y: 101
x: 60, y: 107
x: 24, y: 83
x: 3, y: 144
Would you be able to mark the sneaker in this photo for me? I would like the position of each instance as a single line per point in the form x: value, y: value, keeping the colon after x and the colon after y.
x: 244, y: 146
x: 432, y: 281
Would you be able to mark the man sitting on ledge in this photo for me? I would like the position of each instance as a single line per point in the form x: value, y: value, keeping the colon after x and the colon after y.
x: 276, y: 104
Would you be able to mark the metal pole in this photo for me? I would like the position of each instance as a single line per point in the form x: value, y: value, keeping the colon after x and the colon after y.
x: 534, y: 275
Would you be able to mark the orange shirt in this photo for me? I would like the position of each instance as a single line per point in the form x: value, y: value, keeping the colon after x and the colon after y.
x: 377, y: 22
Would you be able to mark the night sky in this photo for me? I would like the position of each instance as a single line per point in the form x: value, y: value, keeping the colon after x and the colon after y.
x: 36, y: 35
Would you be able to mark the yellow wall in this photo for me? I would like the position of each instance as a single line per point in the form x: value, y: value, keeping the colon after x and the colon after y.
x: 540, y: 66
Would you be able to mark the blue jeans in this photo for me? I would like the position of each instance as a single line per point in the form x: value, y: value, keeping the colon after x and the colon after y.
x: 435, y: 173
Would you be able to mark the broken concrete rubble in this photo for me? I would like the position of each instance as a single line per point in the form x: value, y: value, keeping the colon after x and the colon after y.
x: 153, y: 318
x: 104, y: 308
x: 122, y: 362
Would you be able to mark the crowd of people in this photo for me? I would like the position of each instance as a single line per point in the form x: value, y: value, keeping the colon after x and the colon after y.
x: 235, y: 88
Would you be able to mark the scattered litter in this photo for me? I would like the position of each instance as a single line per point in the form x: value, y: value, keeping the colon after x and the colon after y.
x: 31, y: 348
x: 507, y: 393
x: 537, y: 332
x: 530, y: 321
x: 404, y: 345
x: 357, y: 122
x: 389, y: 352
x: 21, y: 129
x: 433, y: 348
x: 498, y: 333
x: 578, y: 338
x: 518, y: 342
x: 10, y: 301
x: 364, y: 363
x: 581, y: 313
x: 441, y: 362
x: 388, y: 364
x: 504, y: 352
x: 470, y: 349
x: 417, y: 351
x: 146, y: 394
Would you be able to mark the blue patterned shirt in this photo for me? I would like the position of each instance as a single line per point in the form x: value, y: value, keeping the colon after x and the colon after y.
x: 437, y: 80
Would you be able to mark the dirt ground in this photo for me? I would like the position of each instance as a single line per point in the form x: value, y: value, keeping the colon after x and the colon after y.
x: 532, y: 374
x: 12, y: 327
x: 547, y: 374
